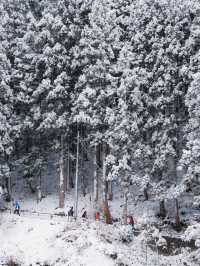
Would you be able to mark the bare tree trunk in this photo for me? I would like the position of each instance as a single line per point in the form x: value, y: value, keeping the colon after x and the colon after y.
x: 83, y: 185
x: 8, y: 181
x: 8, y: 187
x: 76, y: 184
x: 174, y: 174
x: 28, y: 141
x: 39, y: 192
x: 146, y: 195
x: 62, y: 182
x: 177, y: 219
x: 105, y: 200
x: 163, y: 211
x: 125, y: 209
x: 110, y: 190
x: 71, y: 179
x: 96, y: 181
x: 68, y: 170
x: 17, y: 148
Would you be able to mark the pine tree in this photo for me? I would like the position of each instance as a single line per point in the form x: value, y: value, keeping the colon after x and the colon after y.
x: 8, y: 128
x: 49, y: 61
x: 96, y: 85
x: 190, y: 157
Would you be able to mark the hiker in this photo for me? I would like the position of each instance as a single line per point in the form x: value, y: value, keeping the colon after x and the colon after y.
x: 131, y: 221
x: 84, y: 213
x: 70, y: 212
x: 17, y: 208
x: 97, y: 216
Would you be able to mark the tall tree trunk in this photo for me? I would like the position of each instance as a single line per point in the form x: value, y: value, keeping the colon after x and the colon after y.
x: 39, y: 184
x: 163, y: 211
x: 104, y: 183
x: 177, y: 218
x: 146, y: 195
x: 71, y: 180
x: 174, y: 173
x: 83, y: 183
x: 39, y: 192
x: 76, y: 182
x: 110, y: 190
x: 68, y: 170
x: 28, y: 141
x: 17, y: 149
x: 8, y: 180
x: 96, y: 181
x: 62, y: 181
x: 125, y: 209
x: 8, y: 187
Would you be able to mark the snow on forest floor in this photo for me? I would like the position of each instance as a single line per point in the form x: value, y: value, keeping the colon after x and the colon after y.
x: 32, y: 241
x: 60, y: 242
x: 44, y: 240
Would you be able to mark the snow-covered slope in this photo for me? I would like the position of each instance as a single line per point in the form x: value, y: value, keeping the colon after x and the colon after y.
x: 32, y: 240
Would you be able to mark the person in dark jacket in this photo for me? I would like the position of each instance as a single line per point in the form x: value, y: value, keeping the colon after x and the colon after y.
x: 84, y: 213
x: 70, y: 212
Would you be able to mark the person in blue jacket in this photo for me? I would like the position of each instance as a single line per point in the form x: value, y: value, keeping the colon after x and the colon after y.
x: 17, y: 208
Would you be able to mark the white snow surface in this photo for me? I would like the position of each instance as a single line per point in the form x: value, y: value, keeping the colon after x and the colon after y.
x: 47, y: 239
x: 29, y: 240
x: 43, y: 240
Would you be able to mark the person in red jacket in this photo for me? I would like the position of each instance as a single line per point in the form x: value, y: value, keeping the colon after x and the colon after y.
x: 131, y: 221
x: 97, y: 216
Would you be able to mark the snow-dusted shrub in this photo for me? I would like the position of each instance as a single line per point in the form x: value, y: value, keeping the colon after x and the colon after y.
x: 125, y: 233
x: 12, y: 262
x: 60, y: 212
x: 193, y: 233
x: 196, y: 202
x: 162, y: 243
x: 83, y: 242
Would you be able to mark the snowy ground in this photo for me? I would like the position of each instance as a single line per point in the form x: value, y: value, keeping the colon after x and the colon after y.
x: 33, y: 239
x: 43, y: 239
x: 55, y: 242
x: 59, y: 242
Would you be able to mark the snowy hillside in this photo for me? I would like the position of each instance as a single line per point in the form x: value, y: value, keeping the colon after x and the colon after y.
x: 41, y: 241
x: 40, y: 237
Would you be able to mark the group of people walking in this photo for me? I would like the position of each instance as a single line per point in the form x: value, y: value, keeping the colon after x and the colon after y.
x: 83, y: 213
x: 70, y: 212
x: 130, y: 220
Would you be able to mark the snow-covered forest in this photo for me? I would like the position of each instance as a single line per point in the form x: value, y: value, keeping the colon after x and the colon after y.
x: 100, y: 109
